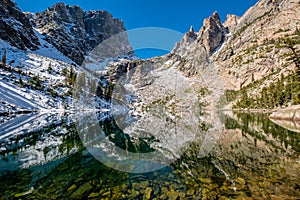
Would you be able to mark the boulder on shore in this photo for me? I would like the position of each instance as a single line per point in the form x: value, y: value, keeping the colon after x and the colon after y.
x: 288, y: 118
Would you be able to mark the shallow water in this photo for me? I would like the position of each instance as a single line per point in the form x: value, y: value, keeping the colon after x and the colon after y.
x: 250, y: 157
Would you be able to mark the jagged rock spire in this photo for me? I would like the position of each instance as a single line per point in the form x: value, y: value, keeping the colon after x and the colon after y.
x: 212, y: 34
x: 231, y: 22
x: 192, y: 29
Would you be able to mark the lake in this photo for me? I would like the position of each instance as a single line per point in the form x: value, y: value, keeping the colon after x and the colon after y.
x: 236, y: 155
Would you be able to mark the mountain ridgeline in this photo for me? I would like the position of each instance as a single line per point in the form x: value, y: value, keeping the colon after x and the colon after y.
x: 257, y: 55
x: 163, y: 127
x: 73, y: 31
x: 248, y: 56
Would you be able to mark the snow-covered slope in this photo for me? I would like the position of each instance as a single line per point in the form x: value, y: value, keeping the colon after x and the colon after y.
x: 33, y: 80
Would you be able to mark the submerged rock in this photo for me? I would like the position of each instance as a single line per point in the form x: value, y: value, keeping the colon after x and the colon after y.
x: 93, y: 195
x: 82, y: 191
x: 148, y: 193
x: 24, y: 193
x: 72, y: 188
x: 173, y: 195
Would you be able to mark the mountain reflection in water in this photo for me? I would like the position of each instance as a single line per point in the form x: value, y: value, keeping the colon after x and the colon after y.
x: 252, y: 157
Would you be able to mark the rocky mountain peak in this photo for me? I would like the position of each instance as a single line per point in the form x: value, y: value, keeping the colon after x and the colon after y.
x: 212, y: 34
x: 15, y: 27
x: 231, y: 22
x: 182, y: 46
x: 75, y: 32
x: 60, y: 14
x: 214, y: 18
x: 68, y: 13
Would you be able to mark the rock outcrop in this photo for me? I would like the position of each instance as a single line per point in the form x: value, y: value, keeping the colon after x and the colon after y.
x: 290, y: 114
x: 212, y: 34
x: 254, y: 50
x: 15, y: 27
x: 231, y: 22
x: 75, y: 32
x: 194, y: 50
x: 288, y: 118
x: 183, y: 46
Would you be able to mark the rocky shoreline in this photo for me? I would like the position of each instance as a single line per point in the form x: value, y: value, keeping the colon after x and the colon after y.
x: 291, y: 113
x: 288, y: 118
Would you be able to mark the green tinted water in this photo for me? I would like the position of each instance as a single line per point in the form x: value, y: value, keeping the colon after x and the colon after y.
x: 252, y: 159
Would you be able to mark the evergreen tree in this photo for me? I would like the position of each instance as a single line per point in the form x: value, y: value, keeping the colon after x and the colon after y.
x: 264, y: 97
x: 92, y: 86
x: 49, y: 69
x: 108, y: 91
x: 20, y: 81
x: 99, y: 91
x: 65, y: 71
x: 271, y: 92
x: 292, y: 43
x: 72, y: 77
x: 296, y: 98
x: 4, y: 59
x: 36, y: 81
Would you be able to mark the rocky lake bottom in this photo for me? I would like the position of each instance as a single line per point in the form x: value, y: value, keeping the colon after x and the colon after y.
x: 249, y: 158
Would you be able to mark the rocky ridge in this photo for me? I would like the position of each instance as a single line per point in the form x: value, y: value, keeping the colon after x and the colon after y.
x: 253, y: 46
x: 211, y: 35
x: 249, y: 52
x: 73, y: 31
x: 240, y: 51
x: 15, y: 27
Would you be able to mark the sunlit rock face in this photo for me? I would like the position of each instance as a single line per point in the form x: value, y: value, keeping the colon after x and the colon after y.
x: 249, y: 50
x: 212, y: 34
x: 231, y: 22
x: 288, y: 118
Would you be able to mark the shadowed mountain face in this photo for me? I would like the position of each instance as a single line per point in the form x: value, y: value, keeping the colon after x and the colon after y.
x: 15, y: 27
x: 75, y: 32
x: 68, y: 28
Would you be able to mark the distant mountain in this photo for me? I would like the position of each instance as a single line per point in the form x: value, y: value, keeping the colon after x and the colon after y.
x: 75, y: 32
x: 40, y: 53
x: 239, y: 59
x: 68, y: 28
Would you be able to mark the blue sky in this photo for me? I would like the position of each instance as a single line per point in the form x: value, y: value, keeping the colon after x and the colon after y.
x: 175, y: 15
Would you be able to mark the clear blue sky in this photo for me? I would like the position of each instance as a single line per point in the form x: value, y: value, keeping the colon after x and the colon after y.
x: 175, y: 15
